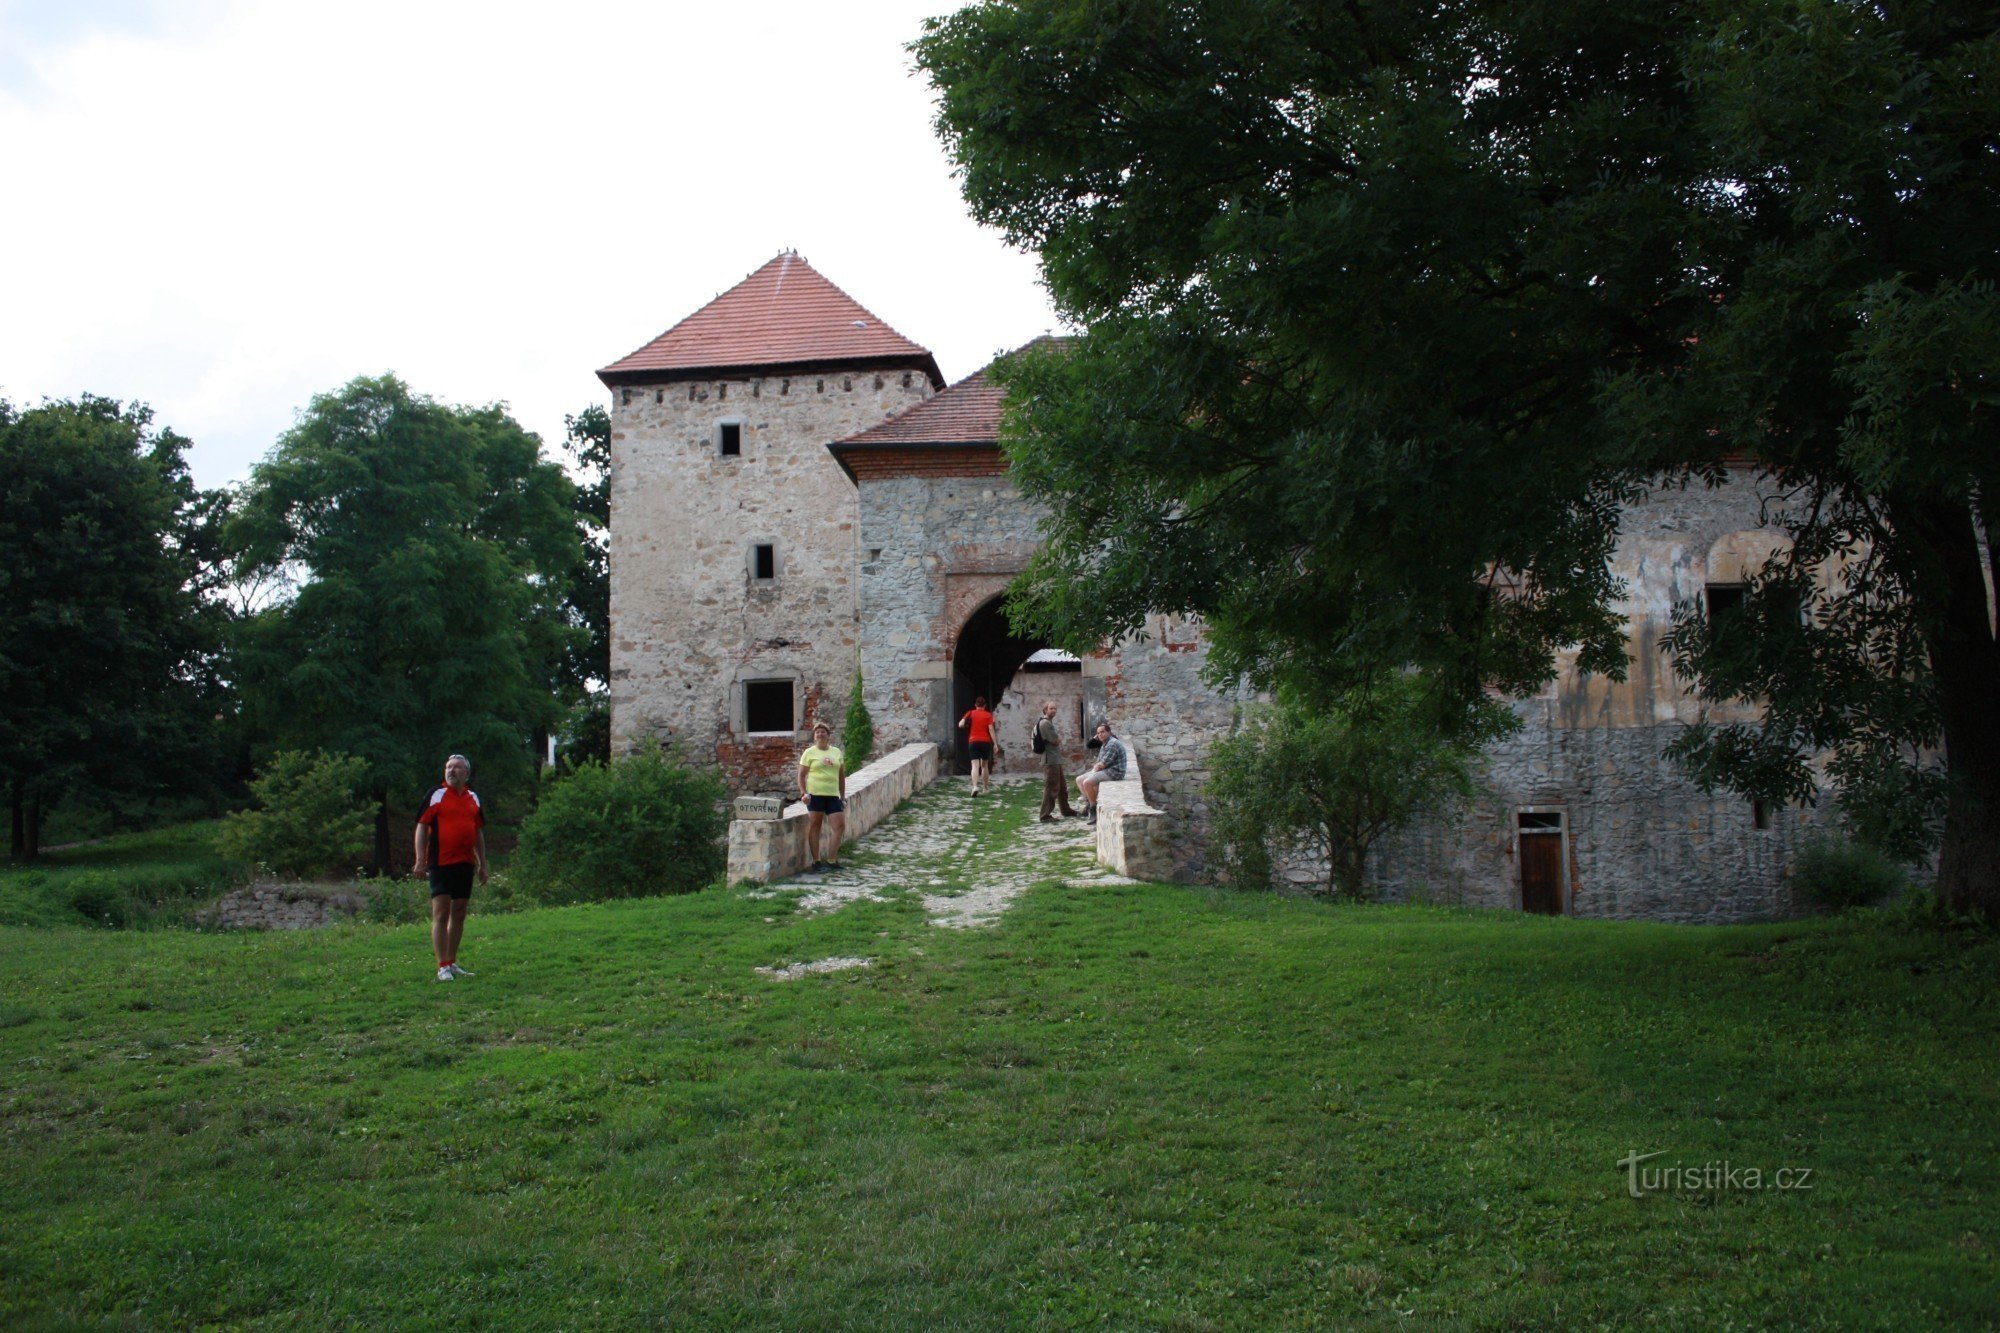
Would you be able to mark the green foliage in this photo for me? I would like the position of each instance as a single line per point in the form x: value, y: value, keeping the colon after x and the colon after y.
x: 639, y: 826
x: 430, y: 545
x: 107, y: 644
x: 586, y: 732
x: 857, y: 736
x: 1335, y: 777
x: 310, y: 816
x: 1839, y: 872
x: 1388, y: 310
x: 587, y: 596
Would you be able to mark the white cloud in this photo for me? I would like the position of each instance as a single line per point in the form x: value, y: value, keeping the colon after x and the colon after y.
x: 224, y: 209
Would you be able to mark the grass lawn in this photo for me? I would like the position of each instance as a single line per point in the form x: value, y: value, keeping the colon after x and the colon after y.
x: 1143, y: 1106
x: 129, y: 880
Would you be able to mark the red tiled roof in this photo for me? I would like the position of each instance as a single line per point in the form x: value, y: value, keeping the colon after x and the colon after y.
x: 966, y: 413
x: 783, y: 315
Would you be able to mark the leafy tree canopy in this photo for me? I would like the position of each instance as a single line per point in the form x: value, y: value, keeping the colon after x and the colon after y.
x: 427, y: 547
x: 107, y: 646
x: 1390, y: 309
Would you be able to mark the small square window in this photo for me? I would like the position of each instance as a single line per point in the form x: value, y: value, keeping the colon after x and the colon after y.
x: 767, y: 706
x: 764, y: 561
x: 729, y: 439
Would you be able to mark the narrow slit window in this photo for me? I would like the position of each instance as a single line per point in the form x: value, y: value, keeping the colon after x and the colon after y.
x: 1760, y: 815
x: 764, y: 561
x: 767, y: 706
x: 729, y: 439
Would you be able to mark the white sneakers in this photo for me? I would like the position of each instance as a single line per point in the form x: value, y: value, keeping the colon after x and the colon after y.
x: 444, y: 974
x: 458, y: 971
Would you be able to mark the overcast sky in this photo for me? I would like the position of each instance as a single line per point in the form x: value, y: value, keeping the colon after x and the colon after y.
x: 223, y: 208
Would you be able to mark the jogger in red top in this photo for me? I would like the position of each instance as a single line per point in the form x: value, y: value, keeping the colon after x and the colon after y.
x: 454, y: 826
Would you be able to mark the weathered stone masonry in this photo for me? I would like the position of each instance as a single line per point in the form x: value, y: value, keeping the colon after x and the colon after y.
x: 894, y: 528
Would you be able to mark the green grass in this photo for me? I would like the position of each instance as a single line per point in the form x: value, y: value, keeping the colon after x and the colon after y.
x: 1147, y: 1106
x: 135, y: 879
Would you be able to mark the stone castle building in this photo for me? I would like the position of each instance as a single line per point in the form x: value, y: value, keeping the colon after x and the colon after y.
x: 796, y: 495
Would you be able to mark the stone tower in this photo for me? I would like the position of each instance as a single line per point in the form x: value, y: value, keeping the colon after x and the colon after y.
x: 733, y: 530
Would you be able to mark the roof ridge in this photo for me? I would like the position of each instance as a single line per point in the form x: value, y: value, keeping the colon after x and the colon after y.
x: 784, y: 312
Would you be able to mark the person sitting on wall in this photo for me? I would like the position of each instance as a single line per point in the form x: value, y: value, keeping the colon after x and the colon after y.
x: 1110, y: 767
x: 823, y: 784
x: 977, y: 724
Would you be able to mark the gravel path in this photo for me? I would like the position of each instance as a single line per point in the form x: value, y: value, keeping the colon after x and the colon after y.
x: 968, y: 856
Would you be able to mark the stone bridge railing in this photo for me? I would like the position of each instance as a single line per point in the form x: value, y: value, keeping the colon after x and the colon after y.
x: 1132, y: 835
x: 767, y: 843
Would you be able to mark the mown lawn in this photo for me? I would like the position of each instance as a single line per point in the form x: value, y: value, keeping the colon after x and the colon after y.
x: 1150, y: 1106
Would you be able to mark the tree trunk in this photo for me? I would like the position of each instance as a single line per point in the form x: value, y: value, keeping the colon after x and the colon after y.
x: 1966, y: 663
x: 31, y: 842
x: 17, y: 846
x: 382, y: 864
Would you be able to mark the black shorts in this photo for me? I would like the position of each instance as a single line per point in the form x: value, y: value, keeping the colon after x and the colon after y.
x: 825, y: 805
x: 980, y: 750
x: 455, y: 880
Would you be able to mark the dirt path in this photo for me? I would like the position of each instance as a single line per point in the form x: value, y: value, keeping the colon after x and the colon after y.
x: 968, y: 856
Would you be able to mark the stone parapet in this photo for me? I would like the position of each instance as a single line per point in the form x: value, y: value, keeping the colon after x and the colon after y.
x: 1133, y: 837
x: 764, y: 850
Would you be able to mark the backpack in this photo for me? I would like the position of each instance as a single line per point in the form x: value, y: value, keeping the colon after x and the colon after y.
x: 1035, y: 739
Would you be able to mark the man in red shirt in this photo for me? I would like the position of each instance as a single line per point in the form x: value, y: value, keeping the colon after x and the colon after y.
x: 977, y: 724
x: 454, y: 823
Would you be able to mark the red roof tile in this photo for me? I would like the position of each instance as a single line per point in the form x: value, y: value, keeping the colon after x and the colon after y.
x: 783, y: 315
x: 966, y: 413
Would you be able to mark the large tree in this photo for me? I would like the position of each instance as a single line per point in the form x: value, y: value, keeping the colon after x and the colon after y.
x: 107, y: 644
x: 586, y: 671
x: 427, y: 549
x: 1390, y: 308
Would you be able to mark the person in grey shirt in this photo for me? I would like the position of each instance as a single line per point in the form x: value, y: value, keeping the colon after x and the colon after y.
x: 1055, y: 785
x: 1110, y: 767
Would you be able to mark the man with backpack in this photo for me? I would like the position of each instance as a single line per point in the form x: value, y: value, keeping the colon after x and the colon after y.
x: 1048, y: 744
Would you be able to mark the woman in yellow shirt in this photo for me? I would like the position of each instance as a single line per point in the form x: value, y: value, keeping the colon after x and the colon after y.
x: 823, y: 784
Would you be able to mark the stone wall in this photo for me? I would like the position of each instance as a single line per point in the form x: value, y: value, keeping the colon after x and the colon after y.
x: 1134, y: 837
x: 1639, y: 840
x: 935, y: 549
x: 691, y: 621
x: 287, y: 906
x: 763, y: 850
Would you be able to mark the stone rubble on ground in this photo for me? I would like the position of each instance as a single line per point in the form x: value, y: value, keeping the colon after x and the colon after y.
x: 927, y: 845
x: 796, y: 970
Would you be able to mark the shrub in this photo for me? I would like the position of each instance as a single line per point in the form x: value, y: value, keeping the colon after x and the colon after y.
x: 310, y: 820
x: 857, y: 737
x: 1839, y: 872
x: 639, y: 826
x: 99, y: 898
x: 1336, y: 776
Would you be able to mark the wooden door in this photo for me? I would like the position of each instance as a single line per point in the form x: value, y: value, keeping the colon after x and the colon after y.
x: 1541, y: 871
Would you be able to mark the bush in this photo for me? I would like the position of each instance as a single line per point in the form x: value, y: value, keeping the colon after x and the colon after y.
x: 640, y: 826
x: 1334, y: 776
x: 857, y: 737
x: 1839, y: 872
x: 310, y: 821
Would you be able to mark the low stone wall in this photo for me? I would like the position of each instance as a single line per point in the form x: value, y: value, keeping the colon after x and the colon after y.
x: 1132, y: 836
x: 763, y: 850
x: 288, y: 906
